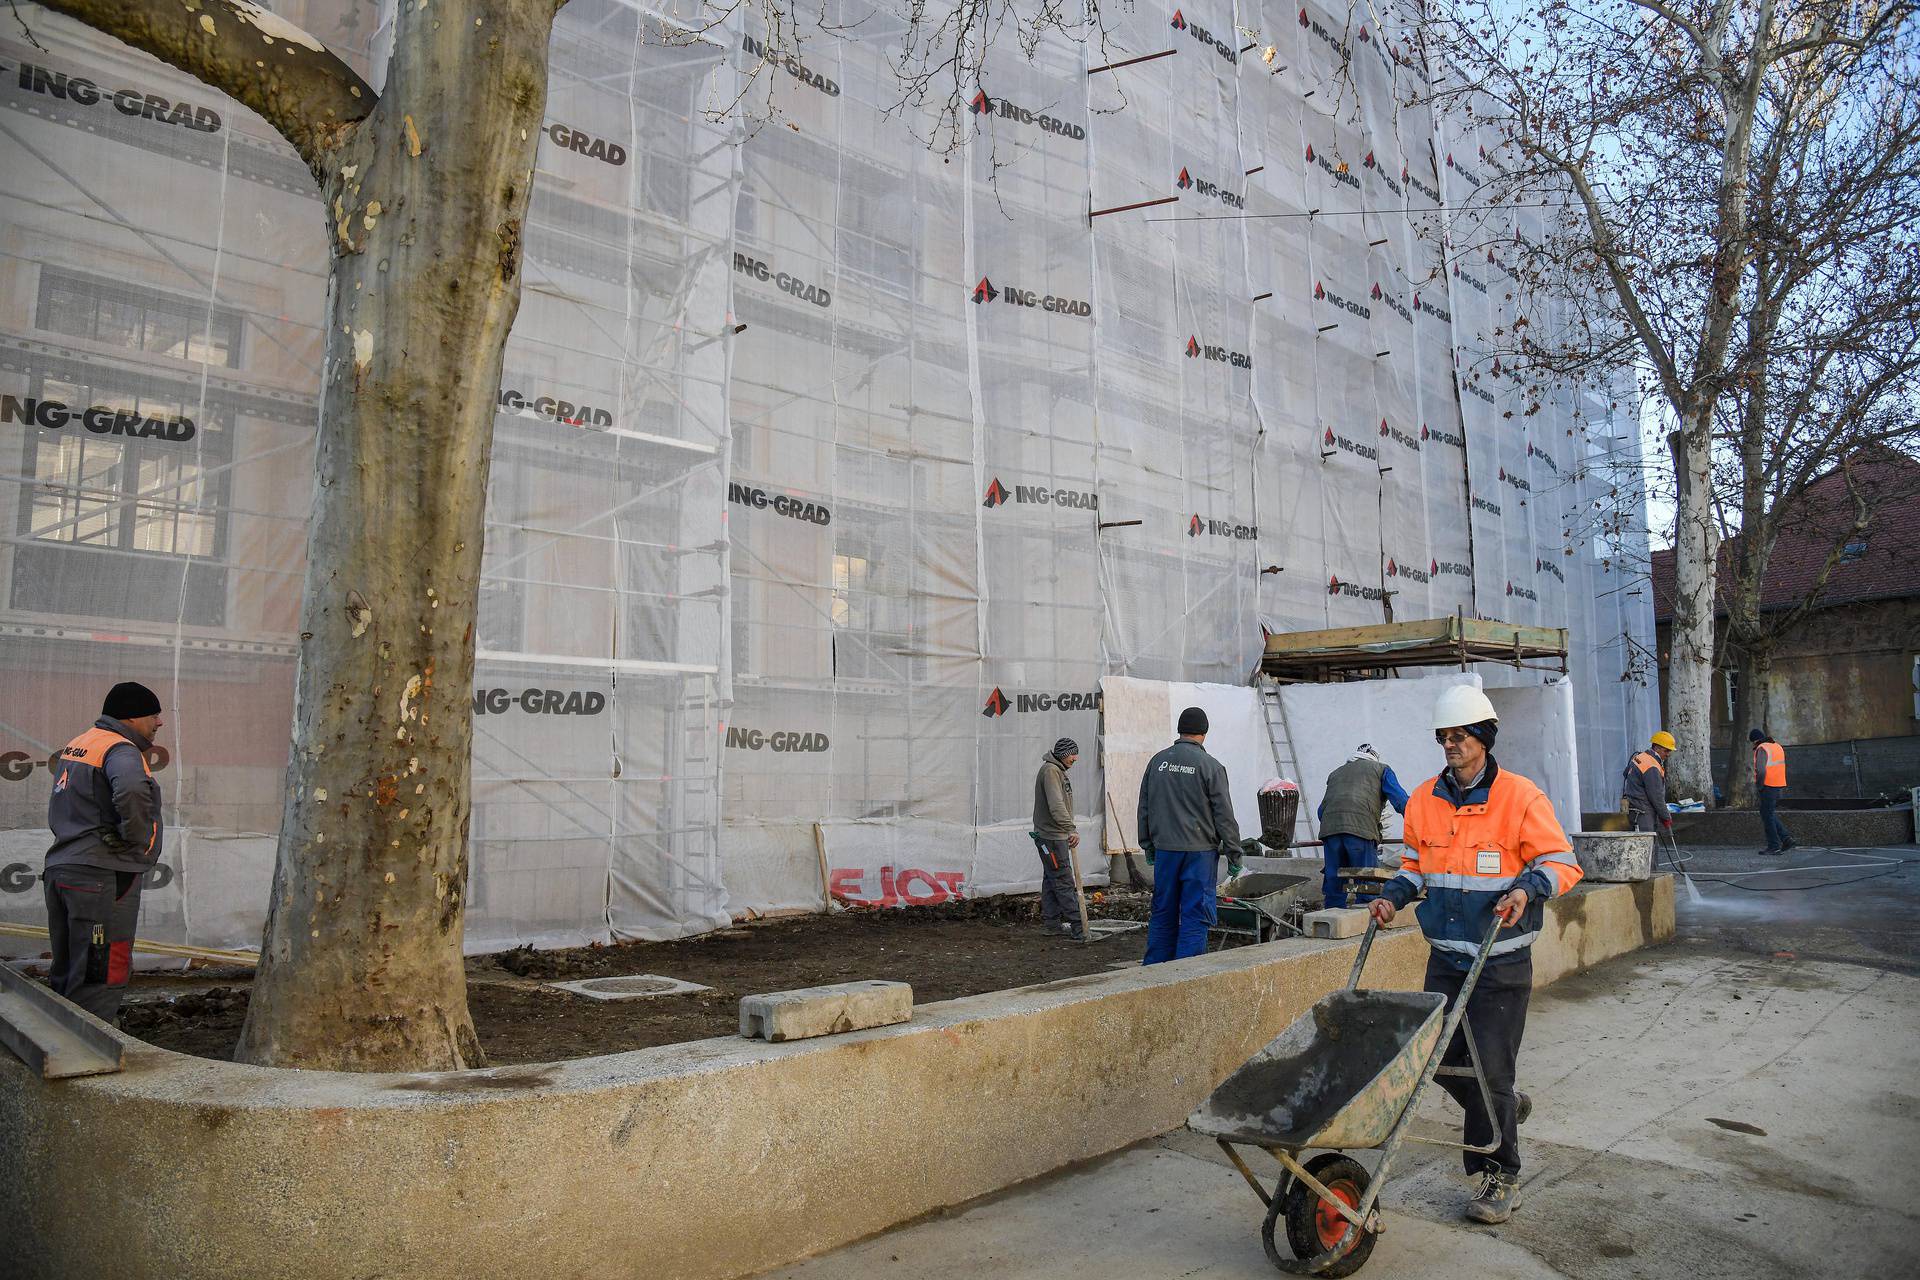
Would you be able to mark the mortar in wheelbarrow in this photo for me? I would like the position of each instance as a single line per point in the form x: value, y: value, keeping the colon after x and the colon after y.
x: 1339, y: 1077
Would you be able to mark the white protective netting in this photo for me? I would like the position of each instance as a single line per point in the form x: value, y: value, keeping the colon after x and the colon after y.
x: 832, y: 472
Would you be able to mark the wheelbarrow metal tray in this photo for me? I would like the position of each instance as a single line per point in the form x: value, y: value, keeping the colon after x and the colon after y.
x: 1339, y: 1077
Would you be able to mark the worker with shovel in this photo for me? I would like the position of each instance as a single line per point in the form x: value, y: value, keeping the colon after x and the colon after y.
x: 1484, y: 843
x: 1054, y: 836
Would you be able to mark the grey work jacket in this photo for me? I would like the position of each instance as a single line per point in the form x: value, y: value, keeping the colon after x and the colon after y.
x: 105, y: 808
x: 1184, y: 803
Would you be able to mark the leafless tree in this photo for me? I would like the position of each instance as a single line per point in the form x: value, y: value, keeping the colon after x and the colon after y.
x: 1649, y: 116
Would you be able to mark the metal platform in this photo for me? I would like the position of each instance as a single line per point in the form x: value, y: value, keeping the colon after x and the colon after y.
x: 53, y: 1036
x: 1354, y: 653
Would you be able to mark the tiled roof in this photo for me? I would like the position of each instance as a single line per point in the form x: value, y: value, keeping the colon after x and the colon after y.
x: 1887, y: 566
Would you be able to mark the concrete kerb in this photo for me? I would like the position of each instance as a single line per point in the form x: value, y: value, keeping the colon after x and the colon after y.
x: 706, y: 1160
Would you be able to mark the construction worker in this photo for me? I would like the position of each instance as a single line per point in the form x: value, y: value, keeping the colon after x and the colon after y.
x: 1185, y: 819
x: 1769, y: 784
x: 1484, y: 844
x: 1054, y: 836
x: 1350, y: 813
x: 105, y: 816
x: 1644, y: 784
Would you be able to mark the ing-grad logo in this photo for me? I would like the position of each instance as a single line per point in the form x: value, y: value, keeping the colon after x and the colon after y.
x: 1479, y: 503
x: 1431, y: 193
x: 1012, y: 295
x: 1524, y: 593
x: 1337, y: 170
x: 1333, y: 440
x: 1323, y: 294
x: 1185, y: 181
x: 1335, y: 587
x: 1546, y: 458
x: 1454, y: 439
x: 1405, y: 439
x: 1458, y: 274
x: 998, y: 495
x: 1007, y: 109
x: 1542, y: 565
x: 82, y: 92
x: 582, y: 143
x: 818, y: 294
x: 1426, y: 307
x: 100, y: 419
x: 1198, y: 350
x: 553, y: 409
x: 791, y: 64
x: 1471, y: 178
x: 1454, y: 568
x: 998, y: 704
x: 1202, y: 527
x: 782, y: 504
x: 1373, y: 165
x: 1516, y: 480
x: 1391, y: 302
x: 1413, y: 573
x: 1205, y: 37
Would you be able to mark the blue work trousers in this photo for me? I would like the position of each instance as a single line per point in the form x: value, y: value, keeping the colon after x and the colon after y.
x: 1770, y: 824
x: 1185, y: 903
x: 1344, y: 851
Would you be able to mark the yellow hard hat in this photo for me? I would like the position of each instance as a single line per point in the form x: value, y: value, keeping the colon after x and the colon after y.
x: 1664, y: 739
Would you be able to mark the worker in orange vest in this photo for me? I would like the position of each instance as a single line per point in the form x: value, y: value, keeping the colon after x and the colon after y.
x: 1644, y: 785
x: 105, y: 817
x: 1770, y: 783
x: 1484, y: 844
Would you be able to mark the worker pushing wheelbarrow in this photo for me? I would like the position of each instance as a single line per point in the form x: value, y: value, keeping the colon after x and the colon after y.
x: 1348, y: 1075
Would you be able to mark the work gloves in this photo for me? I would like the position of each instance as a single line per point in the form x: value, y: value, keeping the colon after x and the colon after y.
x: 1146, y: 848
x: 1237, y: 855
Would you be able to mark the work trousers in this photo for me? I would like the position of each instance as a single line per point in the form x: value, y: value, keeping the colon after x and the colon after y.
x: 1056, y: 881
x: 1497, y: 1012
x: 1642, y: 819
x: 91, y: 914
x: 1185, y: 904
x: 1770, y: 824
x: 1344, y: 851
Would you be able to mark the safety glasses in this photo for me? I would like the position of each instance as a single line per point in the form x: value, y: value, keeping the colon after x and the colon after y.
x: 1450, y: 737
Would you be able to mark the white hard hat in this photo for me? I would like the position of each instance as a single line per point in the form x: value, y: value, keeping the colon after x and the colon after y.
x: 1462, y: 704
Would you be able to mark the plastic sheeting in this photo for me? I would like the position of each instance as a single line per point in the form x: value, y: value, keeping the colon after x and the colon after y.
x: 1141, y: 719
x: 832, y: 472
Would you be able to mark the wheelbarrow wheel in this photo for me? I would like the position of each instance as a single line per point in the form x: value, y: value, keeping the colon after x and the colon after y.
x: 1313, y: 1229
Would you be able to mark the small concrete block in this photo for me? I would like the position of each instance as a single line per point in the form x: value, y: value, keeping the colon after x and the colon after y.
x: 1337, y: 922
x: 825, y: 1011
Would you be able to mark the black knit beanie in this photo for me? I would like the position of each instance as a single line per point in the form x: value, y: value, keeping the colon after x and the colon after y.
x: 1756, y: 735
x: 130, y: 701
x: 1192, y: 721
x: 1486, y: 731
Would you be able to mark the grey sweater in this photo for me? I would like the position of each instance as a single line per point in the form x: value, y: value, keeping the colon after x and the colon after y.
x: 1052, y: 799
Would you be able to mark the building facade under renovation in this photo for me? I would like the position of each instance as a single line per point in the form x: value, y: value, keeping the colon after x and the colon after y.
x: 837, y: 459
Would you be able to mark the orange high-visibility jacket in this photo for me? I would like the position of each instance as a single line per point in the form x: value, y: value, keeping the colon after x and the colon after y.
x: 1467, y: 850
x: 104, y: 810
x: 1769, y: 764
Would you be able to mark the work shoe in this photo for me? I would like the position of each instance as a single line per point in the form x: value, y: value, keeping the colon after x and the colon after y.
x: 1522, y: 1106
x: 1494, y: 1201
x: 1790, y: 844
x: 1770, y: 851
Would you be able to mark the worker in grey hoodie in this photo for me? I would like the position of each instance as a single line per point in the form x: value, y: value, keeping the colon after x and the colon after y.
x: 1054, y: 836
x: 105, y: 817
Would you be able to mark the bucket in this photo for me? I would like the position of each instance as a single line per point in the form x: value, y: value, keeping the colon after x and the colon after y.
x: 1278, y: 809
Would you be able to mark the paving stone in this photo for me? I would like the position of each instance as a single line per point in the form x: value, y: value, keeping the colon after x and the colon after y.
x: 825, y: 1011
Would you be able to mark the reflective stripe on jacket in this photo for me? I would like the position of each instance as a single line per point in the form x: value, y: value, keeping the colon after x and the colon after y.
x: 1769, y: 764
x: 105, y: 807
x: 1644, y: 784
x: 1466, y: 850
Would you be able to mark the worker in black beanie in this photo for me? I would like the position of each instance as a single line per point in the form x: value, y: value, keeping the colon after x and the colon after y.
x: 105, y: 817
x: 1185, y: 819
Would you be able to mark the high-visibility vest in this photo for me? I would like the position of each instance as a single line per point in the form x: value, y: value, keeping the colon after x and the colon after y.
x: 1770, y: 764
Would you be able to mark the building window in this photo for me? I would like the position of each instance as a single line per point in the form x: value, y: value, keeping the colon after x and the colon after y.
x: 118, y: 525
x: 138, y: 319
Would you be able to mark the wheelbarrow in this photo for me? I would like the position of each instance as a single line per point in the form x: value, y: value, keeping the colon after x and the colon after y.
x: 1259, y: 903
x: 1346, y: 1076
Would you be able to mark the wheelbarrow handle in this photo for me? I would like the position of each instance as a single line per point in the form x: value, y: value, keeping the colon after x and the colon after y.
x: 1473, y: 976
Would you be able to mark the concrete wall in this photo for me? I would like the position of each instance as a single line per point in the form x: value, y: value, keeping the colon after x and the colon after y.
x: 688, y: 1162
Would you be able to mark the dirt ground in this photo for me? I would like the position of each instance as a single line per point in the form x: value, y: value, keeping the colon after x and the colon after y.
x: 946, y: 951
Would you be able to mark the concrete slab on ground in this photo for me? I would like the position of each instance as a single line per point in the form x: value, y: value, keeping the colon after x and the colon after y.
x: 1740, y: 1103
